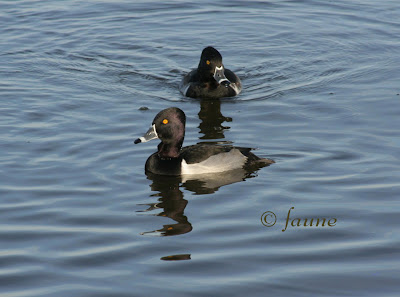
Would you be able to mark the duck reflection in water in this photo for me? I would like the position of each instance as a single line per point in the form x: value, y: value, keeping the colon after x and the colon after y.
x: 171, y: 202
x: 171, y: 199
x: 212, y: 119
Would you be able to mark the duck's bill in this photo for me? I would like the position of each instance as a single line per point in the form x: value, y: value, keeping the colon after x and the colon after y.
x: 150, y: 135
x: 219, y: 76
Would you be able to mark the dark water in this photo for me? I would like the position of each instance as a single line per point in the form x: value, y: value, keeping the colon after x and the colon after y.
x: 78, y: 216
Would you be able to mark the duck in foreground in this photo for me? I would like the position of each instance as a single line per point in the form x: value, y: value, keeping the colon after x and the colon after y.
x: 210, y: 79
x: 172, y: 159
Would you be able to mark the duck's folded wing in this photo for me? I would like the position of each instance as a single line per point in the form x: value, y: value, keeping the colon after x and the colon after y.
x: 205, y: 158
x: 201, y: 152
x: 201, y: 159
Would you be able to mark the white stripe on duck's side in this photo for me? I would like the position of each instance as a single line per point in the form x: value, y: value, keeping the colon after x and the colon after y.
x: 184, y: 89
x: 233, y: 159
x: 235, y: 88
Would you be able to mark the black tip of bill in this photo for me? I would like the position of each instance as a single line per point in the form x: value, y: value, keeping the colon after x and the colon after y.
x: 137, y: 141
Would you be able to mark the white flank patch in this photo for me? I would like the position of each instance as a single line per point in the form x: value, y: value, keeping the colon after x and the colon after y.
x: 217, y: 163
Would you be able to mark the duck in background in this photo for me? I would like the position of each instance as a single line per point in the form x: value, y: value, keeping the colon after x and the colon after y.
x: 211, y: 79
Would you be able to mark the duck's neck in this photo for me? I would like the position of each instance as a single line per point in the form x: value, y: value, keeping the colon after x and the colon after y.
x: 169, y: 150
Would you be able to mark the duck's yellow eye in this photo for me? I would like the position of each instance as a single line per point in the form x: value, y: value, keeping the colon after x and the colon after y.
x: 165, y: 121
x: 208, y: 62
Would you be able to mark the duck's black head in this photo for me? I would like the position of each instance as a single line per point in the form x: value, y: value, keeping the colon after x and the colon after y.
x: 211, y: 55
x: 169, y: 127
x: 211, y: 68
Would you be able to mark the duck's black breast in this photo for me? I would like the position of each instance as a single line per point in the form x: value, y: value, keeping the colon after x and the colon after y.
x: 157, y: 165
x: 209, y: 90
x: 191, y: 86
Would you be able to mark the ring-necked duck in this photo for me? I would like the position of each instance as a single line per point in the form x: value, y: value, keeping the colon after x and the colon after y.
x: 172, y: 159
x: 210, y: 79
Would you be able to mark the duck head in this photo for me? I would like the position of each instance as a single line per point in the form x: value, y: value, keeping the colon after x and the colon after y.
x: 169, y: 127
x: 211, y: 67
